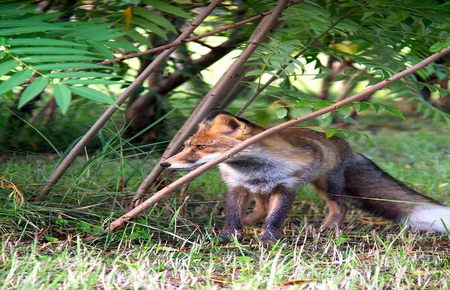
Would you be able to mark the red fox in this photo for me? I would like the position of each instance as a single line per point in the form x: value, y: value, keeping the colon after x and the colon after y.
x: 270, y: 170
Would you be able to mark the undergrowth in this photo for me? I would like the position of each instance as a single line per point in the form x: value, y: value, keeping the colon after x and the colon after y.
x: 58, y: 244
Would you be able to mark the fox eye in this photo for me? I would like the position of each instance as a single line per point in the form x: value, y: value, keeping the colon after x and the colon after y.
x: 200, y: 147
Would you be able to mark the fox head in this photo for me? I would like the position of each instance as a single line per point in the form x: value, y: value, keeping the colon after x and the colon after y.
x: 217, y: 133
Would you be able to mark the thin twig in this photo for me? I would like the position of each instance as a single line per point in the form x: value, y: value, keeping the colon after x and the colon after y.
x: 41, y: 111
x: 120, y: 222
x: 51, y: 110
x: 68, y: 160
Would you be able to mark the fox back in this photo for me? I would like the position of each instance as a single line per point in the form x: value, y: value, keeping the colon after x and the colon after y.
x: 289, y: 158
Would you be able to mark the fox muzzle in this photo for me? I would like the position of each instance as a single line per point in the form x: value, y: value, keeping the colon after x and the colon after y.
x: 165, y: 164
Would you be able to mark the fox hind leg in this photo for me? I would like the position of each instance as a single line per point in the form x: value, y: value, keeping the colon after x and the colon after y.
x: 259, y: 211
x: 331, y: 190
x: 279, y: 205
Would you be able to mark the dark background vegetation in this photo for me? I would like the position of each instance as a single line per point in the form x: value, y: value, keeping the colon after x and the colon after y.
x: 348, y: 45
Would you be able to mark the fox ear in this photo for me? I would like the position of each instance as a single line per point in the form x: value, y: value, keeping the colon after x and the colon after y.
x: 229, y: 125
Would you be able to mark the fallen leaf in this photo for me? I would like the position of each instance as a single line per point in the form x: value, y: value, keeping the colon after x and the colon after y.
x: 218, y: 279
x: 296, y: 282
x: 168, y: 249
x: 377, y: 222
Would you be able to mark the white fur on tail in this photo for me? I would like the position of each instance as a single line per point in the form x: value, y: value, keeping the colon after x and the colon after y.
x: 430, y: 217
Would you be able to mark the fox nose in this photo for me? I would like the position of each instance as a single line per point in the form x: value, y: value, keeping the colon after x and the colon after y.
x: 165, y: 164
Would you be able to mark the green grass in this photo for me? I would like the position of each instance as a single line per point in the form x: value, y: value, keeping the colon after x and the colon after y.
x: 50, y: 245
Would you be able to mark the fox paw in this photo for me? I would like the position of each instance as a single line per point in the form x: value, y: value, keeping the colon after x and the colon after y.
x: 228, y: 235
x: 332, y: 222
x: 270, y: 236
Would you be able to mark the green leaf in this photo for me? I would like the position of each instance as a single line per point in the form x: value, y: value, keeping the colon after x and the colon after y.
x: 437, y: 46
x: 363, y: 106
x: 53, y: 58
x: 281, y: 113
x: 100, y: 33
x: 94, y: 95
x: 80, y: 74
x: 49, y: 50
x: 42, y: 41
x: 341, y: 239
x: 123, y: 44
x: 138, y: 37
x: 150, y: 26
x: 395, y: 111
x: 11, y: 23
x: 163, y: 6
x: 440, y: 45
x: 325, y: 119
x: 330, y: 132
x: 40, y: 27
x: 155, y: 18
x: 30, y: 18
x: 62, y: 96
x: 7, y: 66
x: 367, y: 14
x: 15, y: 80
x: 51, y: 239
x: 88, y: 228
x: 377, y: 107
x: 91, y: 82
x: 103, y: 50
x: 70, y: 65
x: 32, y: 90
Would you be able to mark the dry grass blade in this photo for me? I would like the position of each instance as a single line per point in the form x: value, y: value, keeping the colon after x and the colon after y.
x: 15, y: 191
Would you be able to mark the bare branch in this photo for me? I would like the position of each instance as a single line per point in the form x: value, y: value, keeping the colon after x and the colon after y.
x: 120, y: 222
x: 112, y: 109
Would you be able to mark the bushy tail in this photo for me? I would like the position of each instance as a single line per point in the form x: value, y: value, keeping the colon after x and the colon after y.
x: 377, y: 192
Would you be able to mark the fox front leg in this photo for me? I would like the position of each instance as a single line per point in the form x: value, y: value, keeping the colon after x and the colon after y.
x: 236, y: 204
x: 279, y: 205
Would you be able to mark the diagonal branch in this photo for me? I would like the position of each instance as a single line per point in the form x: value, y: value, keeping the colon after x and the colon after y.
x: 68, y: 160
x: 213, y: 97
x: 120, y: 222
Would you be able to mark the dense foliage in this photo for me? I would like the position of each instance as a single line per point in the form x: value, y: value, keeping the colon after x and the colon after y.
x: 57, y: 77
x: 52, y: 52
